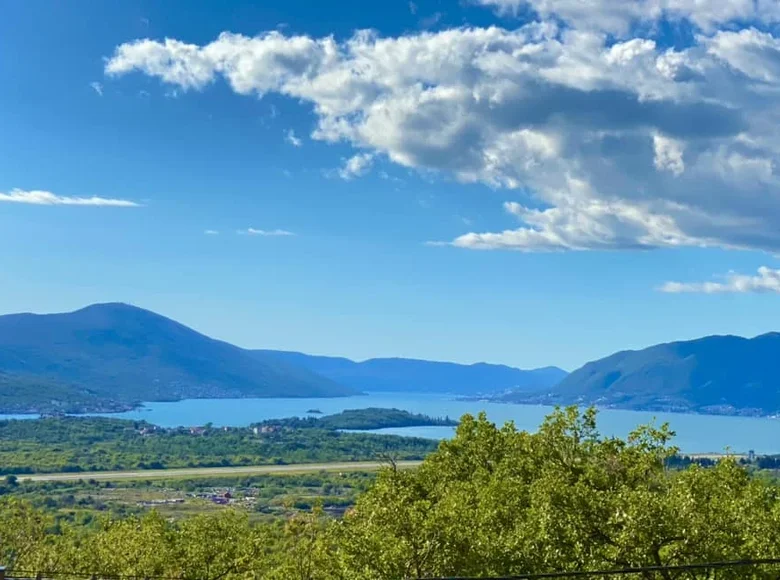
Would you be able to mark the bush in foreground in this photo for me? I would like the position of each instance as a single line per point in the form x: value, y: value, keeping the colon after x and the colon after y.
x: 491, y: 501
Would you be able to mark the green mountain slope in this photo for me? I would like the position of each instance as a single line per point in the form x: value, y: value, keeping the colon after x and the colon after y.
x: 115, y: 354
x: 715, y: 374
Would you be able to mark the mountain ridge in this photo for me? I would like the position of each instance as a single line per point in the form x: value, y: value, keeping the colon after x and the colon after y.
x: 717, y: 374
x: 120, y: 355
x: 112, y: 356
x: 411, y: 374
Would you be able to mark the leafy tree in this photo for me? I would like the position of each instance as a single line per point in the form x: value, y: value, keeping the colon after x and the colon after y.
x: 493, y: 501
x: 212, y: 548
x: 23, y: 533
x: 304, y: 548
x: 496, y: 501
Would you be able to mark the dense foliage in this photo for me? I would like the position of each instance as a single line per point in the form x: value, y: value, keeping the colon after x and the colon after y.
x: 363, y: 419
x: 73, y: 444
x: 492, y: 501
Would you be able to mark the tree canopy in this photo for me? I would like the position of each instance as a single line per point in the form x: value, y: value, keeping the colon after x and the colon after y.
x: 492, y: 501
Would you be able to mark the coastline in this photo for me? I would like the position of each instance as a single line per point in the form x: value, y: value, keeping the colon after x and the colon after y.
x: 710, y: 410
x: 120, y: 407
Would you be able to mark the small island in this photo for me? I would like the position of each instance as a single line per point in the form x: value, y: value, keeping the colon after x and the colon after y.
x: 314, y: 412
x: 361, y: 420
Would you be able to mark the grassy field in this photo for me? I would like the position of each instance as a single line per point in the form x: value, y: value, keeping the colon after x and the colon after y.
x: 147, y: 474
x: 263, y: 496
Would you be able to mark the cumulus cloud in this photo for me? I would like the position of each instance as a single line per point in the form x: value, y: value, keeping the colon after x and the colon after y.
x: 265, y: 233
x: 754, y: 54
x: 211, y: 232
x: 766, y: 280
x: 356, y: 166
x: 97, y: 87
x: 36, y: 197
x: 597, y: 144
x: 586, y: 225
x: 620, y: 17
x: 292, y: 139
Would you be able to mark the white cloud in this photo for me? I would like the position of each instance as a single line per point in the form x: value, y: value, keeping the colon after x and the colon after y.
x: 767, y: 280
x: 668, y: 154
x: 619, y: 17
x: 97, y: 87
x: 597, y: 144
x: 583, y: 225
x: 754, y: 54
x: 36, y: 197
x: 292, y: 139
x: 211, y: 232
x: 174, y: 61
x: 265, y: 233
x: 356, y: 166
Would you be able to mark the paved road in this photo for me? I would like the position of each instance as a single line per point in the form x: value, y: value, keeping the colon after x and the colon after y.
x: 210, y: 471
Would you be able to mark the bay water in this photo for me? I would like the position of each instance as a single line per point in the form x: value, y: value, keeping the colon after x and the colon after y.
x: 695, y: 433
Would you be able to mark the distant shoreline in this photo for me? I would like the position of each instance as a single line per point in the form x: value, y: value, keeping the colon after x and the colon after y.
x: 119, y: 407
x: 752, y: 413
x: 33, y: 413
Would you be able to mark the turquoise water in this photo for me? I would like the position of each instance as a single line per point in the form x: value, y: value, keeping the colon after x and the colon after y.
x: 695, y: 433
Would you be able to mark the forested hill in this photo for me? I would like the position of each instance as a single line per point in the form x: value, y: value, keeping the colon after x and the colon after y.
x: 110, y: 356
x: 363, y: 419
x: 401, y: 374
x: 714, y: 374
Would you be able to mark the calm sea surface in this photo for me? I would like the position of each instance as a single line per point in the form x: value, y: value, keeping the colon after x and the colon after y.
x: 695, y: 433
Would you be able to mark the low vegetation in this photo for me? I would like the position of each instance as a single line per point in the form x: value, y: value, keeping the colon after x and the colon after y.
x: 492, y: 501
x: 262, y: 497
x: 75, y: 444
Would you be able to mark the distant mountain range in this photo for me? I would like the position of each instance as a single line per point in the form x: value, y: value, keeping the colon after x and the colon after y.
x: 110, y: 357
x: 403, y: 374
x: 716, y: 374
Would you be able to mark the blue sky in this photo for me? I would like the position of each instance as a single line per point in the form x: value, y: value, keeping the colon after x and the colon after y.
x: 499, y: 180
